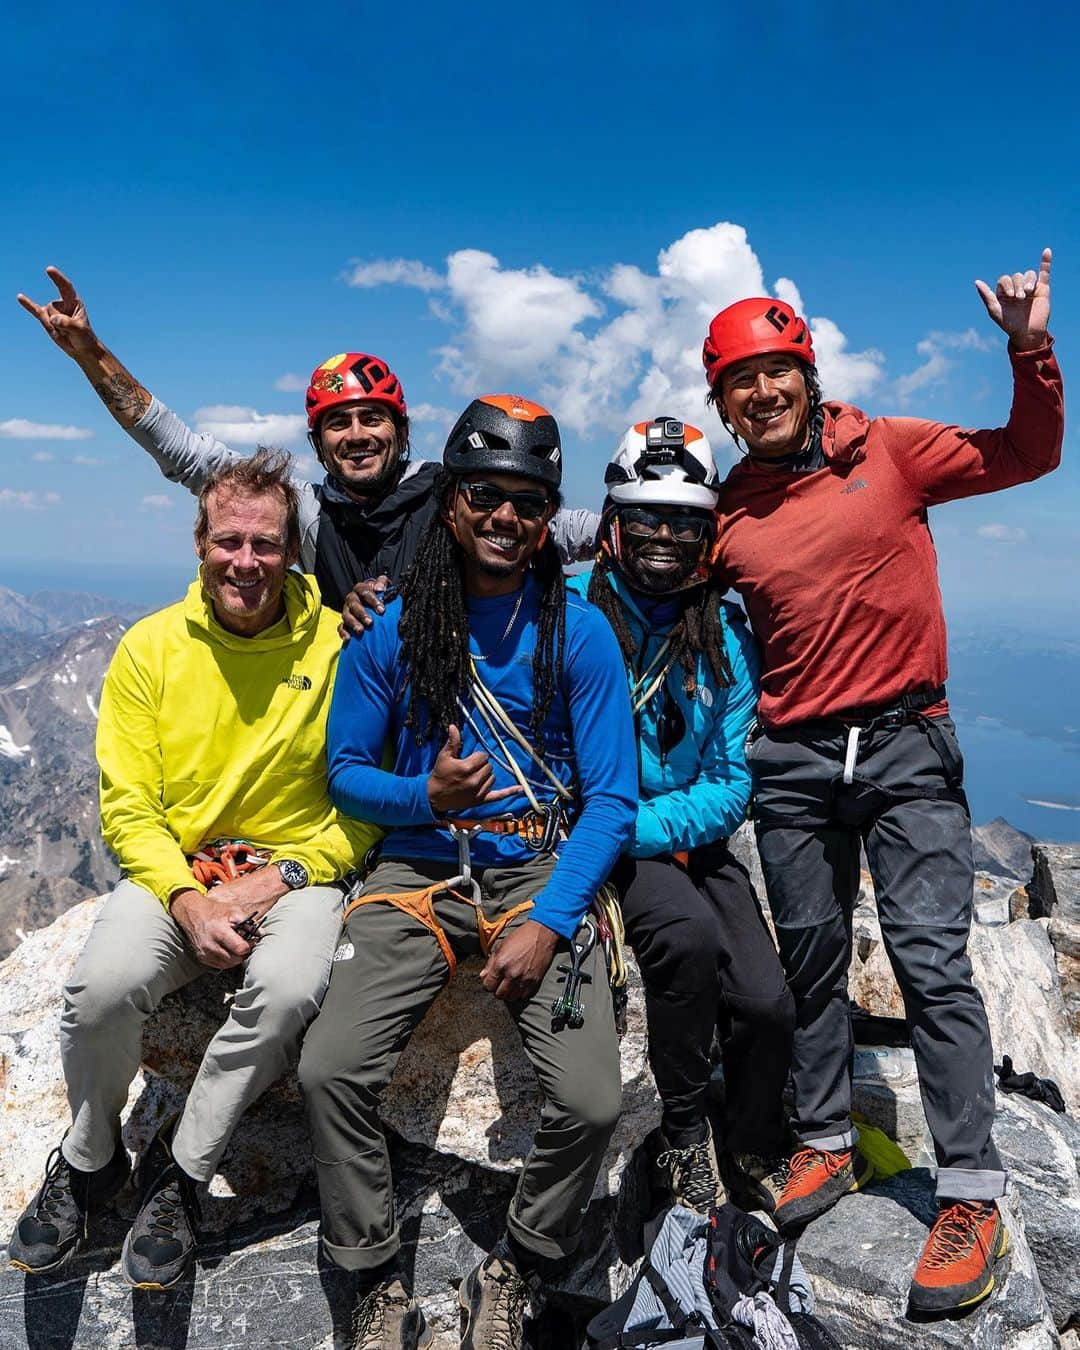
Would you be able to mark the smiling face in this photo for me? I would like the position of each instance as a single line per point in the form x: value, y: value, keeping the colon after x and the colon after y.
x: 498, y: 544
x: 245, y: 555
x: 657, y: 553
x: 360, y: 445
x: 767, y: 404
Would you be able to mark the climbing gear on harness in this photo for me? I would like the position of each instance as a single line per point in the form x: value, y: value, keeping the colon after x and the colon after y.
x: 817, y: 1178
x: 225, y: 860
x: 538, y: 830
x: 567, y: 1010
x: 611, y: 932
x: 957, y: 1265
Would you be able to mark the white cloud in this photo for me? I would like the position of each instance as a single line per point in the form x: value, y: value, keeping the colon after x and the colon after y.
x: 43, y: 456
x: 1003, y: 534
x: 86, y: 459
x: 157, y: 501
x: 27, y: 501
x: 291, y: 384
x: 19, y: 428
x: 936, y: 363
x: 394, y: 272
x: 605, y: 350
x: 244, y: 426
x: 443, y: 418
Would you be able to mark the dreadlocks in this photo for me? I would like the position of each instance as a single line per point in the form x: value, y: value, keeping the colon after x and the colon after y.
x: 434, y: 630
x: 700, y: 627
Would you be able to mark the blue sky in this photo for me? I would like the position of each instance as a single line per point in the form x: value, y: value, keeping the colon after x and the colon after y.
x: 542, y: 200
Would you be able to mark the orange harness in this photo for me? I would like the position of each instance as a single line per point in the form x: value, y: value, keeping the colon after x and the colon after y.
x: 225, y: 860
x: 420, y: 905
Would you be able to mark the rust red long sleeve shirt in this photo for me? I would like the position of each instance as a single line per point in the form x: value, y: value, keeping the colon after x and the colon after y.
x: 837, y: 567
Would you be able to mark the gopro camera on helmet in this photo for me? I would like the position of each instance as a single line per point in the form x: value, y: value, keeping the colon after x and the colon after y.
x: 665, y: 439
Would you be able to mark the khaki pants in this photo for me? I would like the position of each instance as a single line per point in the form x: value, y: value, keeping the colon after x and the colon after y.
x: 134, y: 956
x: 378, y: 994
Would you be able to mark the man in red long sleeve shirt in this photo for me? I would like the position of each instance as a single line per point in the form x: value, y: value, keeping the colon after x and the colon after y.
x: 825, y: 537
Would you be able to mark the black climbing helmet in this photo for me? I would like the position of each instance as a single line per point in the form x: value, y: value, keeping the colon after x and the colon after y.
x: 502, y: 433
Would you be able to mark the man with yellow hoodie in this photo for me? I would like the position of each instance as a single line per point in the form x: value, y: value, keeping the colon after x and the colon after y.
x: 211, y: 742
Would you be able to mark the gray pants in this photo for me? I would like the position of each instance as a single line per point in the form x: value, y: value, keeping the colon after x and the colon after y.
x: 904, y: 803
x: 134, y: 956
x: 379, y: 992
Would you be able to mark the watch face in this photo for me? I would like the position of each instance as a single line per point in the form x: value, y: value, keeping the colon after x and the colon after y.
x: 293, y: 874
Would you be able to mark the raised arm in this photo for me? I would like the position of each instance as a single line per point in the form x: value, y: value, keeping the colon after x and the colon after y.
x: 67, y: 323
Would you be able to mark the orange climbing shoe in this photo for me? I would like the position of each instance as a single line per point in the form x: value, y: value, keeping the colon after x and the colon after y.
x: 957, y: 1266
x: 817, y: 1178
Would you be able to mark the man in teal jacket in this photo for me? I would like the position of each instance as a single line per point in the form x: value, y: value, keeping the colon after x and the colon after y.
x: 690, y: 912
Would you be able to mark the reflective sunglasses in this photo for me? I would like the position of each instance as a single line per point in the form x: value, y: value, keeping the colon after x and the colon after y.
x: 688, y: 527
x: 486, y: 498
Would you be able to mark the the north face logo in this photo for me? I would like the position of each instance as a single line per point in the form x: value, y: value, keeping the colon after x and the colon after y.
x: 856, y: 486
x: 296, y: 681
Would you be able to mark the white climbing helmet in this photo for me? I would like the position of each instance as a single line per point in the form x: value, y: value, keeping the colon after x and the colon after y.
x: 664, y: 462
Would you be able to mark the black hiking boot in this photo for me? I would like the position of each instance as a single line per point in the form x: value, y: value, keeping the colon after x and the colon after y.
x: 55, y: 1222
x: 386, y: 1318
x: 495, y: 1298
x: 160, y: 1249
x: 691, y: 1175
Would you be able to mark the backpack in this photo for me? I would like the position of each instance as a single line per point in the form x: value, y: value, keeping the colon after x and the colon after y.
x: 697, y: 1274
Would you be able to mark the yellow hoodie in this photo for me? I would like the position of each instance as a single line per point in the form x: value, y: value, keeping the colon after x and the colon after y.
x: 205, y: 735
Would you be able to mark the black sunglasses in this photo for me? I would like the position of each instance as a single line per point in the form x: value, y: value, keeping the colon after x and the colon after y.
x: 688, y: 527
x: 487, y: 498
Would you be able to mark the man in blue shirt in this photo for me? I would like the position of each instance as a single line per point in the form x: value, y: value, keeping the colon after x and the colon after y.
x: 513, y: 787
x: 690, y: 912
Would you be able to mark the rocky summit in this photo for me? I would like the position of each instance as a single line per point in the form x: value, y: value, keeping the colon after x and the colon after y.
x: 461, y: 1111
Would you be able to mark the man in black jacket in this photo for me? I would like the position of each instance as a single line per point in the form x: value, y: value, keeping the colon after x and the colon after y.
x: 366, y: 518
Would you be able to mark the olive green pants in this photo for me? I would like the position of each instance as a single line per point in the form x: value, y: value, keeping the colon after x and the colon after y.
x: 387, y: 971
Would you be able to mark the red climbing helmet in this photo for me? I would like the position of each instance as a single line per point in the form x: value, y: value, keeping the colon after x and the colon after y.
x: 754, y: 328
x: 349, y: 376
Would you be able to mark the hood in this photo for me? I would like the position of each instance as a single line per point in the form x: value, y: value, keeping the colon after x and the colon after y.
x: 415, y: 483
x: 843, y: 436
x: 303, y: 604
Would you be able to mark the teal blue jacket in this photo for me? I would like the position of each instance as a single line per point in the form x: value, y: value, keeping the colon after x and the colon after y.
x: 698, y: 791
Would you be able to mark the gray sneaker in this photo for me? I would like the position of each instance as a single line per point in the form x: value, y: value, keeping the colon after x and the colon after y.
x: 55, y: 1222
x: 160, y: 1249
x: 691, y: 1176
x: 386, y: 1318
x: 496, y: 1300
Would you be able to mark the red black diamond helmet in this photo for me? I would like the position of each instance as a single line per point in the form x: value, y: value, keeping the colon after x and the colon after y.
x: 350, y: 376
x: 755, y: 327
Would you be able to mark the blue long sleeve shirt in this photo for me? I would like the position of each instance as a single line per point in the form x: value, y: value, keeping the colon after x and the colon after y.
x: 588, y: 744
x: 697, y: 790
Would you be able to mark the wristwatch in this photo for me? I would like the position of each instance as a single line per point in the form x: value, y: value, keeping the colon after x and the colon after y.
x: 293, y: 874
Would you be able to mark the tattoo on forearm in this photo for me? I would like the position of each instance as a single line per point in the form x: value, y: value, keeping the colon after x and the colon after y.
x: 124, y: 397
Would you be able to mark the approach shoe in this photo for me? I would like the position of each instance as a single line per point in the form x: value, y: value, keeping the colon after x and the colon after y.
x: 160, y: 1249
x: 496, y: 1300
x: 691, y: 1176
x: 53, y: 1224
x: 817, y: 1178
x: 386, y: 1318
x: 957, y: 1265
x: 754, y: 1182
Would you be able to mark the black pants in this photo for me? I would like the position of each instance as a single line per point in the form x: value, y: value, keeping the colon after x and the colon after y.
x: 809, y: 826
x: 703, y: 949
